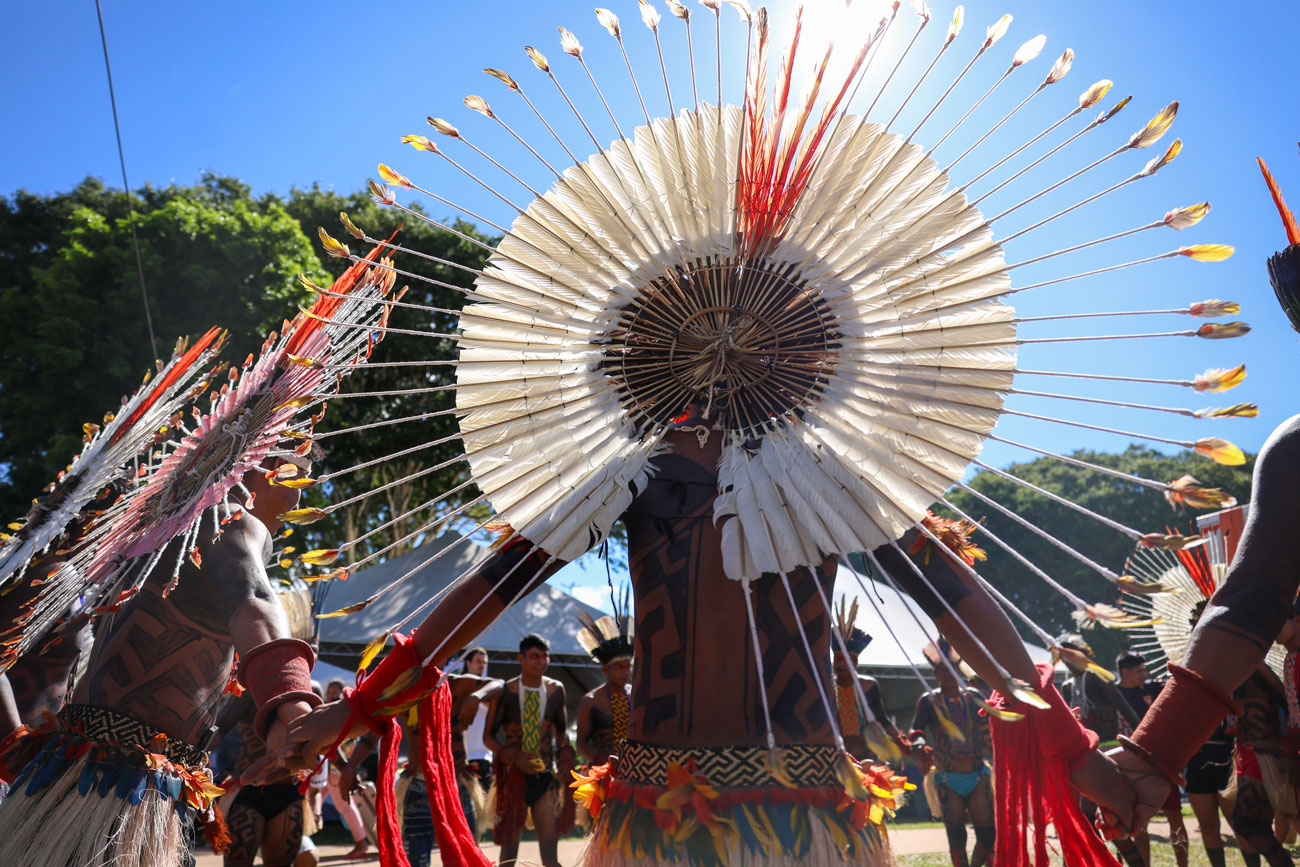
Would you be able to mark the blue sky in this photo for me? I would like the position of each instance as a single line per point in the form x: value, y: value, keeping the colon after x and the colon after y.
x: 283, y: 95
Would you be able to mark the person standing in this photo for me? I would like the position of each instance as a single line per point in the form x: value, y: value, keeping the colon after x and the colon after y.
x: 855, y: 724
x: 960, y: 738
x: 527, y: 732
x: 1263, y: 785
x: 604, y: 711
x: 478, y: 758
x: 1139, y: 694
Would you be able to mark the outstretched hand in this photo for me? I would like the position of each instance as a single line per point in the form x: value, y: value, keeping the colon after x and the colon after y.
x: 305, y: 738
x: 1148, y: 786
x: 1104, y: 783
x: 269, y: 769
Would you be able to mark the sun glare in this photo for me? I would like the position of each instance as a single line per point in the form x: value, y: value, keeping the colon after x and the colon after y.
x: 845, y: 26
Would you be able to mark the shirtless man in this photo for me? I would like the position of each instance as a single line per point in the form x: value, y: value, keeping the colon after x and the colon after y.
x: 603, y: 713
x: 961, y: 775
x: 695, y: 692
x: 528, y: 733
x: 157, y: 671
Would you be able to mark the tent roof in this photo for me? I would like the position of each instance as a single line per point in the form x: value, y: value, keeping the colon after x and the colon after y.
x: 552, y: 613
x: 886, y: 609
x: 548, y: 611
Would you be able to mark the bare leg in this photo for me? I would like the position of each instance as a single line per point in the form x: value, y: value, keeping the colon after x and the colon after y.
x: 979, y: 805
x: 1206, y: 808
x: 246, y: 826
x: 545, y: 813
x: 282, y: 837
x: 1177, y: 836
x: 509, y: 852
x: 1252, y: 817
x: 954, y: 823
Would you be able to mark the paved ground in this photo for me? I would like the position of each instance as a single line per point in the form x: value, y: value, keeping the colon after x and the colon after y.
x: 905, y: 841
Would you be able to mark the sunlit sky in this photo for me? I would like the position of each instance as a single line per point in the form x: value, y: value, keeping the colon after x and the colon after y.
x: 283, y: 95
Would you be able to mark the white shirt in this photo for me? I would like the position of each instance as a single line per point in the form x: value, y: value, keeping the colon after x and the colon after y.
x: 474, y: 749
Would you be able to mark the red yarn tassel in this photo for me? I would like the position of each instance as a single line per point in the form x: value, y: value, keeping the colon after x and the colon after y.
x: 457, y: 846
x: 1034, y: 788
x: 391, y: 851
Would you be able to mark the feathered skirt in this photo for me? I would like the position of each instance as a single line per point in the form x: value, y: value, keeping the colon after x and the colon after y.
x: 99, y: 788
x: 702, y: 807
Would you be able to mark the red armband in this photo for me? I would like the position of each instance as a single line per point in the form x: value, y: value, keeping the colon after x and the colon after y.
x: 277, y: 672
x: 1060, y: 734
x: 399, y: 682
x: 1038, y: 753
x: 396, y: 684
x: 1182, y: 717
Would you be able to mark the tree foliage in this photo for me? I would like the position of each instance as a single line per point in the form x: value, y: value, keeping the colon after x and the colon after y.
x: 73, y: 339
x: 1129, y: 503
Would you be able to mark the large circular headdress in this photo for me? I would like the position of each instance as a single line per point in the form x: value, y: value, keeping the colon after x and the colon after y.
x: 1188, y: 578
x: 825, y: 289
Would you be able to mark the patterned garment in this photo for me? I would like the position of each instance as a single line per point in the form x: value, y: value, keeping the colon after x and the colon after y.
x: 530, y: 719
x: 850, y: 721
x: 618, y: 708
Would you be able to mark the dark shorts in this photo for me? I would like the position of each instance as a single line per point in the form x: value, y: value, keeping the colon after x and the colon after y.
x: 1209, y: 771
x: 270, y: 801
x: 536, y: 785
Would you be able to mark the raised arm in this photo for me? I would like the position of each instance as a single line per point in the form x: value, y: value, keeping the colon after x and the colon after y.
x: 1246, y: 614
x: 1238, y: 626
x: 876, y: 702
x: 509, y: 574
x: 465, y: 612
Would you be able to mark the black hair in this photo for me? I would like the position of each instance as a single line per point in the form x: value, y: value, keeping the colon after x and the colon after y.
x: 532, y: 640
x: 475, y: 651
x: 1128, y: 659
x: 334, y: 681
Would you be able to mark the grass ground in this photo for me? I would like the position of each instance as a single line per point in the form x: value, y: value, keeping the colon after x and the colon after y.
x: 1161, y: 856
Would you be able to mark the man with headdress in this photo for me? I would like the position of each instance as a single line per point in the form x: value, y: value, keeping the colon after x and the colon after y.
x: 131, y: 741
x: 698, y: 693
x: 854, y: 692
x: 604, y: 711
x: 959, y: 736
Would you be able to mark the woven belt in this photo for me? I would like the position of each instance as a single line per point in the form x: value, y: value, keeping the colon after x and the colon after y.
x: 810, y: 765
x: 111, y: 727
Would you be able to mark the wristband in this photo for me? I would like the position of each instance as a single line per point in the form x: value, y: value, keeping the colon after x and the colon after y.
x: 277, y: 672
x: 397, y: 684
x: 1179, y: 721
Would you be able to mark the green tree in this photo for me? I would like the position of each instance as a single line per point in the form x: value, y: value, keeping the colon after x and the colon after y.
x: 73, y: 339
x: 429, y: 369
x: 1129, y: 503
